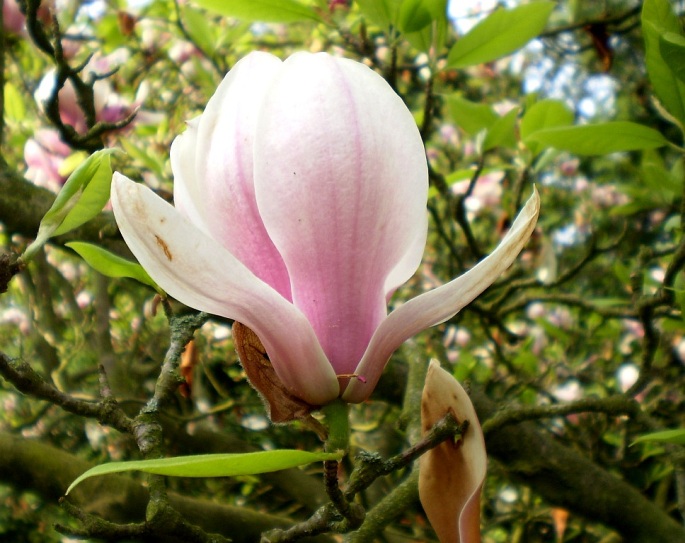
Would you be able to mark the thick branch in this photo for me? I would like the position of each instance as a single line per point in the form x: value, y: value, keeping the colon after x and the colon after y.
x: 33, y: 466
x: 567, y: 479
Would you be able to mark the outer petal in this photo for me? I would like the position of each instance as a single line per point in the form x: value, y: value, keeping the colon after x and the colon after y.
x: 341, y: 183
x: 440, y: 304
x: 451, y: 475
x: 197, y: 271
x: 188, y: 199
x: 214, y: 157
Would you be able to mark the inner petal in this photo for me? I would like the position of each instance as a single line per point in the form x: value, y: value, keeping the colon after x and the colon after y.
x: 341, y: 184
x: 223, y: 168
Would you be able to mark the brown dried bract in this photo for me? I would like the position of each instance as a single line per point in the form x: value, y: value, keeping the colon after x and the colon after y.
x: 451, y: 474
x: 281, y: 404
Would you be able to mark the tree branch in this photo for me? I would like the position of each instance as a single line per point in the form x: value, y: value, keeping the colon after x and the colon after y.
x: 30, y: 465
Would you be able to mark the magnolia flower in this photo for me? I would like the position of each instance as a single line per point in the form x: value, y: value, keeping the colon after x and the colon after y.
x: 45, y: 154
x: 13, y: 19
x: 110, y: 107
x: 300, y: 198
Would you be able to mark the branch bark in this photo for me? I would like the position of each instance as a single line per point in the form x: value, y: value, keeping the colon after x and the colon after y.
x: 23, y: 204
x: 33, y: 466
x: 566, y: 478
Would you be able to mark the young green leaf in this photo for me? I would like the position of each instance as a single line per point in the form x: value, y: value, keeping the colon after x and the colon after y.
x: 471, y: 117
x: 14, y: 103
x: 81, y: 198
x: 676, y: 437
x: 269, y: 11
x: 672, y: 47
x: 500, y: 34
x: 541, y: 115
x: 202, y: 32
x: 110, y: 264
x: 599, y: 139
x: 502, y: 133
x: 383, y: 13
x: 414, y: 16
x: 424, y: 23
x: 658, y: 18
x: 214, y: 465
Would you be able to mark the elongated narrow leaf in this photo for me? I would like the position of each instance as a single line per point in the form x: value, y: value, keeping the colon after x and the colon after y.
x: 270, y: 11
x: 500, y: 34
x: 214, y: 465
x: 666, y: 436
x: 672, y: 47
x: 82, y: 197
x: 110, y: 264
x: 658, y: 18
x: 600, y: 139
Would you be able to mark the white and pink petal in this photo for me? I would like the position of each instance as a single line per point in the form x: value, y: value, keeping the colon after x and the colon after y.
x: 341, y: 184
x: 201, y: 273
x: 439, y: 304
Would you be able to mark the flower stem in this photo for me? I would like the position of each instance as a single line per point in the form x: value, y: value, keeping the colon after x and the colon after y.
x: 338, y: 422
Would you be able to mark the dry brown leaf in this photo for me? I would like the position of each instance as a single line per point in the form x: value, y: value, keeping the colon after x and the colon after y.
x: 560, y: 518
x: 189, y: 359
x: 451, y: 475
x: 281, y: 404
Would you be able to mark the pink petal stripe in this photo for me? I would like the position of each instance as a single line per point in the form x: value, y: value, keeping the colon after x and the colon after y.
x: 215, y: 164
x: 341, y: 183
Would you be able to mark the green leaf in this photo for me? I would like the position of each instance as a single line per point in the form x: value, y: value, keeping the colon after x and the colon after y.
x: 199, y: 29
x: 110, y: 264
x: 383, y: 13
x: 214, y: 465
x: 658, y: 180
x: 658, y: 18
x: 82, y: 197
x: 545, y: 114
x: 541, y: 115
x: 269, y: 11
x: 502, y: 133
x: 500, y: 34
x: 143, y: 154
x: 414, y: 16
x: 600, y: 139
x: 14, y: 103
x: 672, y: 48
x: 665, y: 436
x: 471, y: 117
x: 424, y: 23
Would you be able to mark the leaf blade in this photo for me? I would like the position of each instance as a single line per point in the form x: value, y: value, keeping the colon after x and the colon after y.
x: 500, y: 34
x: 600, y: 139
x: 110, y: 264
x: 676, y: 436
x: 213, y: 465
x: 268, y: 11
